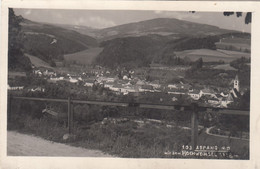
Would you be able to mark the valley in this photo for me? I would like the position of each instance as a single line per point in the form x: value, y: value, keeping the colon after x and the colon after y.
x: 161, y: 61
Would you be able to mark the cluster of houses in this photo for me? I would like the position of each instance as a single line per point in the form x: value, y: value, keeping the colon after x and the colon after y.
x: 129, y: 84
x: 205, y: 95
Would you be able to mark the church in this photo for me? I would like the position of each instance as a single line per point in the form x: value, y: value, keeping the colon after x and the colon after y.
x: 235, y: 91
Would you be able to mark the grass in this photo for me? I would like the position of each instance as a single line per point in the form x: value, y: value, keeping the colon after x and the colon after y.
x: 85, y: 57
x: 237, y: 40
x: 240, y: 147
x: 224, y: 67
x: 13, y: 74
x: 235, y: 53
x: 206, y: 54
x: 211, y: 55
x: 123, y: 139
x: 38, y: 62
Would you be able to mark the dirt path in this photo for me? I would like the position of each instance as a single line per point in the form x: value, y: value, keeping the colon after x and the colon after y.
x: 27, y: 145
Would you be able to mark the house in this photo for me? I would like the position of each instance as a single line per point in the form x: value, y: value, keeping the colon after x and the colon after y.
x: 223, y: 94
x: 116, y: 87
x: 178, y: 92
x: 146, y: 88
x: 109, y: 85
x: 56, y: 78
x: 224, y: 102
x: 126, y: 77
x: 49, y: 73
x: 214, y: 101
x: 236, y: 83
x: 207, y: 92
x: 73, y: 80
x: 37, y: 89
x: 172, y: 86
x: 155, y: 84
x: 235, y: 93
x: 89, y: 82
x: 140, y: 82
x: 37, y: 72
x: 174, y: 99
x: 194, y: 94
x: 15, y: 87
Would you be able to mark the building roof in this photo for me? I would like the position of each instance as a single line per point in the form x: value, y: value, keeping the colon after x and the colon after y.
x: 147, y: 87
x: 195, y: 91
x: 207, y: 91
x: 236, y: 78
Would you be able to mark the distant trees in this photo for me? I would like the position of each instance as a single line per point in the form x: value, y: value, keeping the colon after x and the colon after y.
x: 198, y: 64
x: 194, y: 43
x: 240, y: 63
x: 248, y: 18
x: 129, y: 52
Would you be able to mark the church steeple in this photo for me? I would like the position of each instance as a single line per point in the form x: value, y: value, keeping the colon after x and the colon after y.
x: 236, y: 83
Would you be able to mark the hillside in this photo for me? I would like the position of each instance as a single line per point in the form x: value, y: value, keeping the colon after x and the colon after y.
x: 160, y: 26
x: 50, y: 42
x: 85, y: 57
x: 128, y: 52
x: 84, y: 30
x: 132, y: 45
x: 38, y: 62
x: 142, y: 50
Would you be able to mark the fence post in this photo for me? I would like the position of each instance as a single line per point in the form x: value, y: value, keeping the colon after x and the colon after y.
x: 194, y: 126
x: 72, y: 118
x: 69, y: 114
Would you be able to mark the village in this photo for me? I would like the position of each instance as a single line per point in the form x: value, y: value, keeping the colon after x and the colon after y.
x: 123, y: 82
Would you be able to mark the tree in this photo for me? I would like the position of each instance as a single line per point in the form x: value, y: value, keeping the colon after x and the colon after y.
x: 248, y: 18
x: 198, y: 64
x: 16, y: 58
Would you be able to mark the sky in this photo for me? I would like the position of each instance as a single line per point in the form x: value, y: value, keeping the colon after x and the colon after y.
x: 108, y: 18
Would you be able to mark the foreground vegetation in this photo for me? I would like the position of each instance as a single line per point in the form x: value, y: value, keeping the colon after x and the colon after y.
x: 126, y: 138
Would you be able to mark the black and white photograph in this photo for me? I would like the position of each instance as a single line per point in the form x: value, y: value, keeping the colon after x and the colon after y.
x: 129, y: 84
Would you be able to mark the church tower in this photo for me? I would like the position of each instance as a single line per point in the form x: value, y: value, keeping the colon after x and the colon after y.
x: 236, y: 83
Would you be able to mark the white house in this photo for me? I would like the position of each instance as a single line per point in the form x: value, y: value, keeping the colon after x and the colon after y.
x: 155, y: 84
x: 15, y: 87
x: 207, y: 92
x: 37, y: 89
x: 194, y: 94
x: 89, y: 82
x: 73, y: 80
x: 214, y: 101
x: 172, y: 86
x: 109, y: 85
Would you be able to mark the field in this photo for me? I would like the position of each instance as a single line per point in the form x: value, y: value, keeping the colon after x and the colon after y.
x: 210, y: 55
x: 38, y: 62
x: 235, y: 44
x: 85, y: 57
x: 235, y: 53
x: 236, y: 40
x: 224, y: 67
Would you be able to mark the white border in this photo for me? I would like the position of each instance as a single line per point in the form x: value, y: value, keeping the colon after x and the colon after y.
x: 112, y: 163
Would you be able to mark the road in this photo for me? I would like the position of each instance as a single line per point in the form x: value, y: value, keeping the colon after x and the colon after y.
x: 26, y: 145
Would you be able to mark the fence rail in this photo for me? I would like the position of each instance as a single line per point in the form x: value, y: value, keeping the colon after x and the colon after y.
x: 193, y: 108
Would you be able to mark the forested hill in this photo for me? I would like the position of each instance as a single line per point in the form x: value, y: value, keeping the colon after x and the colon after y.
x: 143, y: 50
x: 50, y: 42
x: 160, y: 26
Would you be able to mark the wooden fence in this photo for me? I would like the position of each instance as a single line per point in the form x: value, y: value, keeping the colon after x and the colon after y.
x: 193, y: 108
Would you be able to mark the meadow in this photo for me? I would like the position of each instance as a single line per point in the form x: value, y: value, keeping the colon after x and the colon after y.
x: 38, y: 62
x: 85, y: 57
x: 209, y: 55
